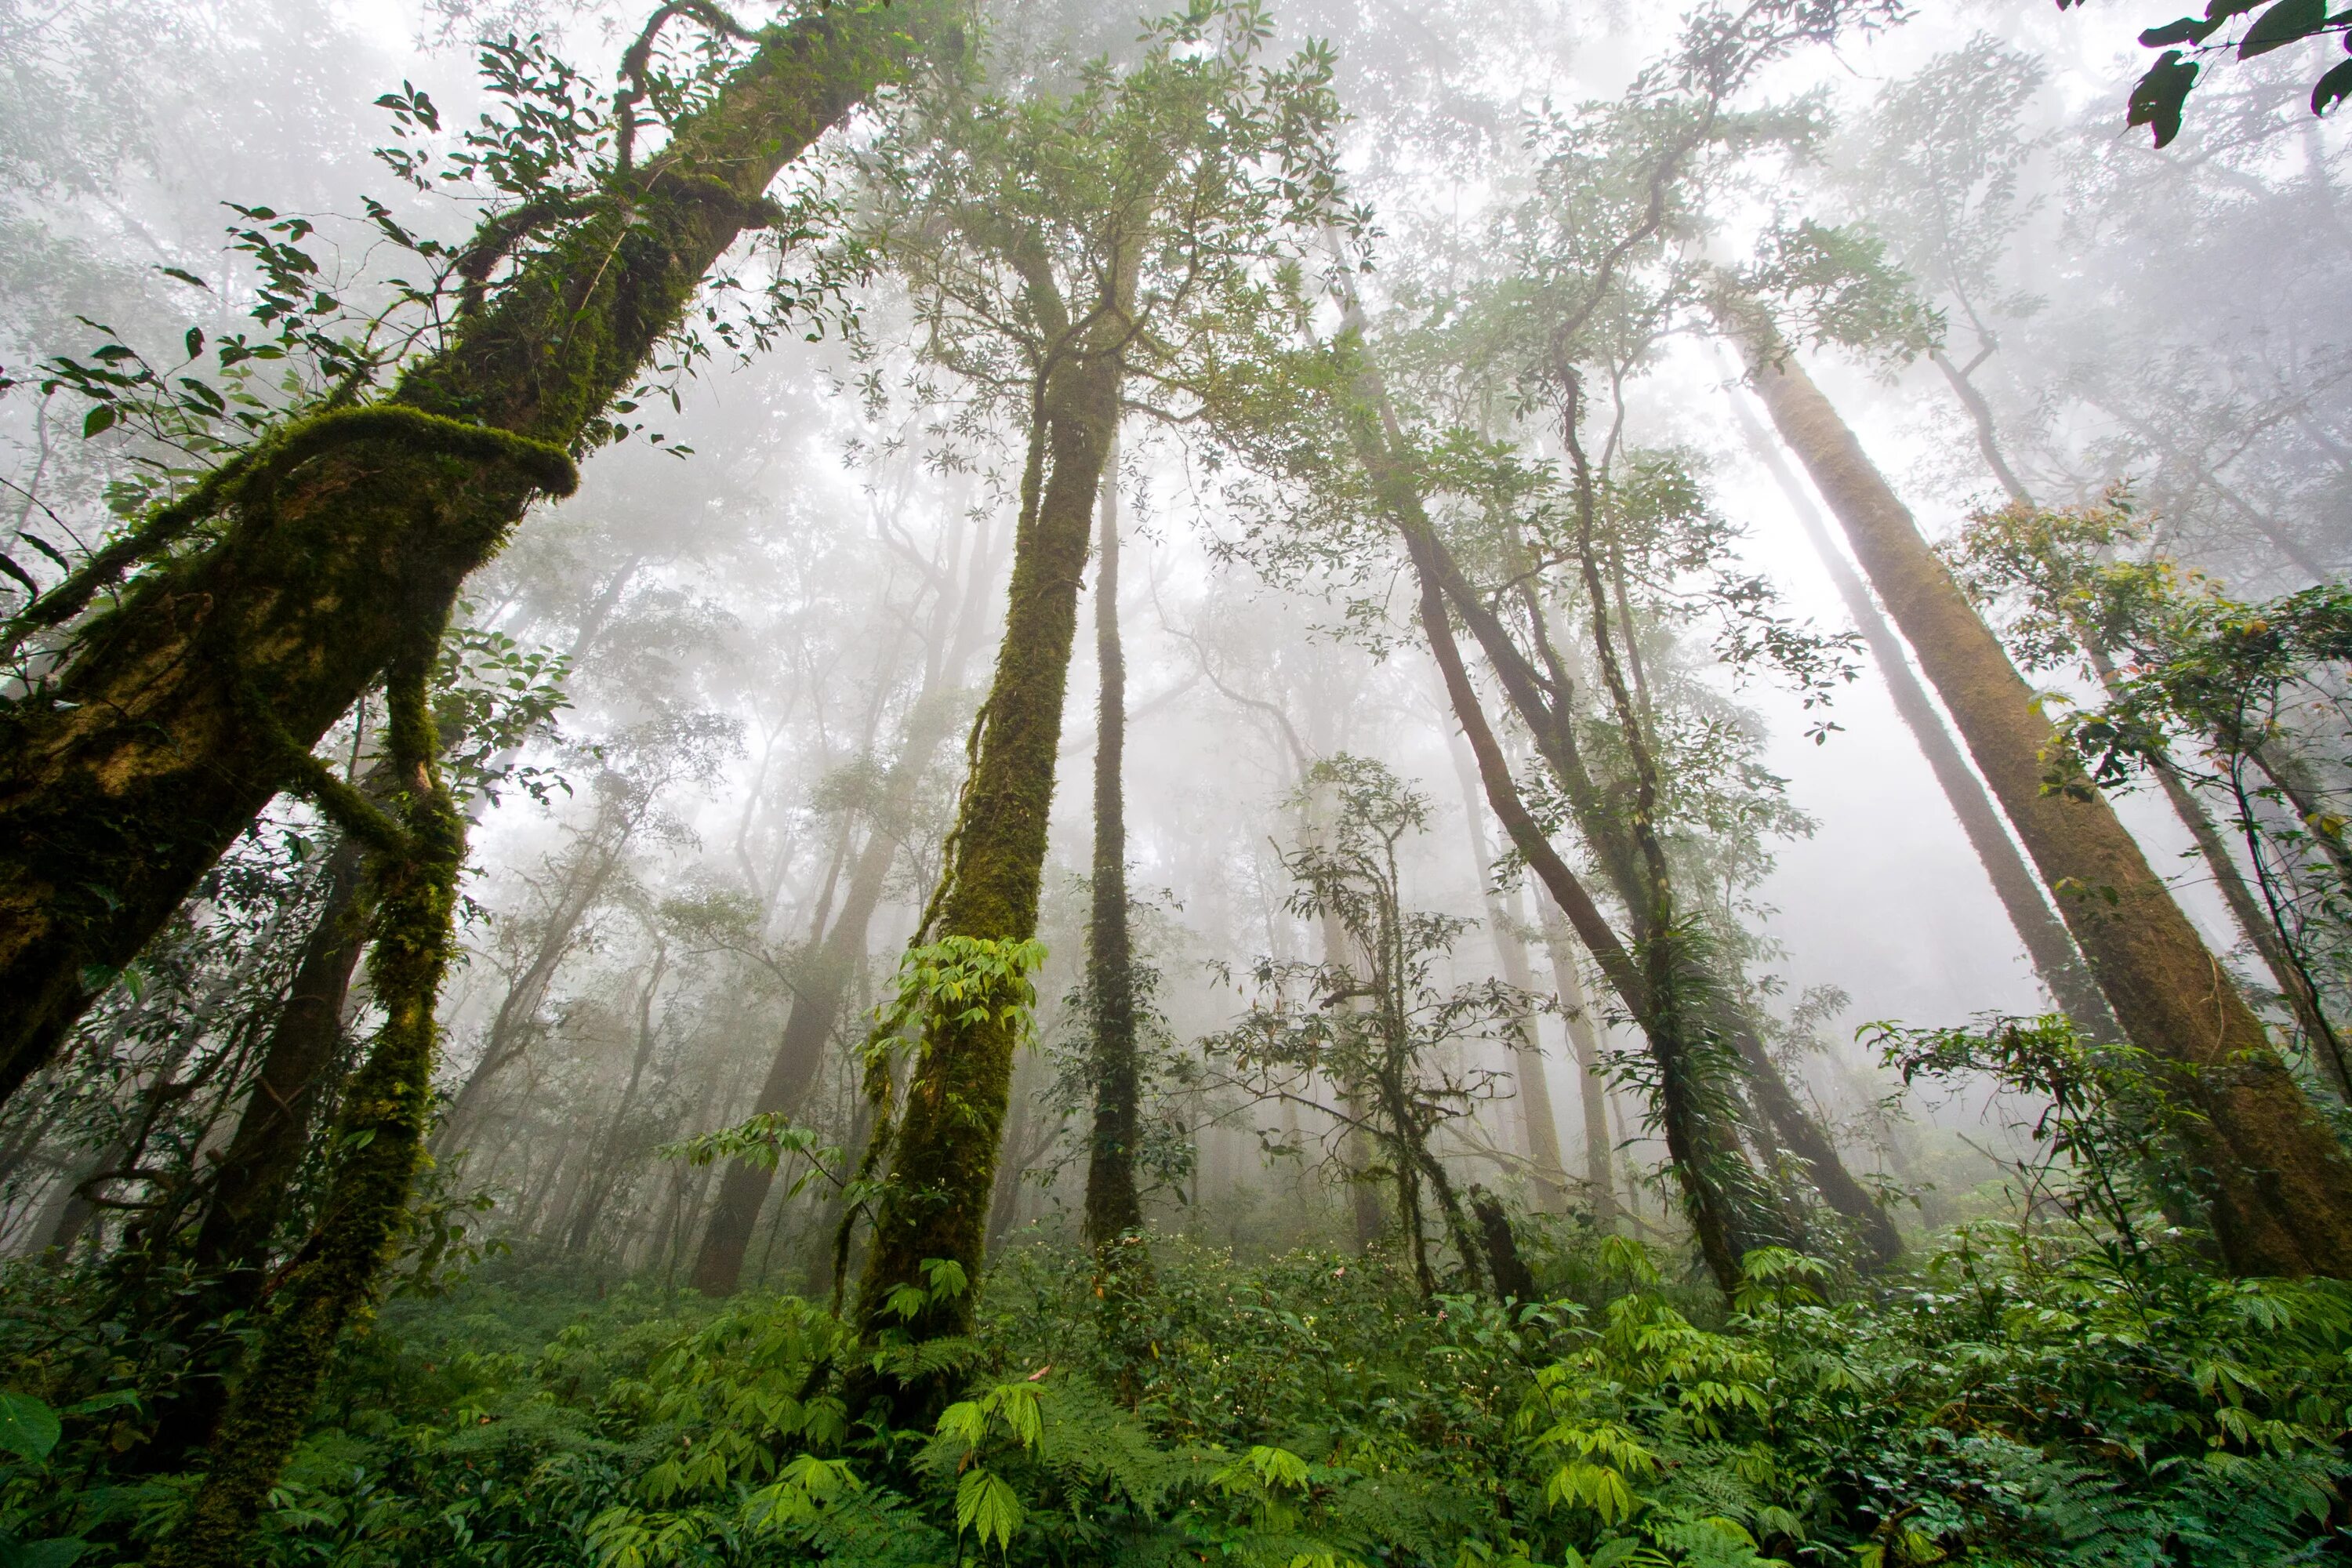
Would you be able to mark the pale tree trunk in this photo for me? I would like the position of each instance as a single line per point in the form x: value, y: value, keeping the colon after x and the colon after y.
x: 2279, y: 1186
x: 1536, y: 1114
x: 1593, y: 1082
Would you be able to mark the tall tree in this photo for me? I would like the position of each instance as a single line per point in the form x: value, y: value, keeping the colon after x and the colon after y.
x: 2278, y: 1183
x: 1060, y: 242
x: 171, y: 717
x: 2050, y: 950
x: 1112, y: 1206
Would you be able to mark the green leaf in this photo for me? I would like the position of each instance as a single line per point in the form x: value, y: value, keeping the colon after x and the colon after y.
x: 987, y: 1506
x: 2288, y: 22
x: 58, y: 1552
x: 195, y: 341
x: 2156, y: 98
x: 184, y: 277
x: 100, y: 418
x: 29, y: 1428
x: 2333, y: 89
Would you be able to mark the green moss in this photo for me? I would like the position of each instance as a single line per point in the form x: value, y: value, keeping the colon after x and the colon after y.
x: 378, y: 1140
x: 123, y: 779
x: 945, y: 1144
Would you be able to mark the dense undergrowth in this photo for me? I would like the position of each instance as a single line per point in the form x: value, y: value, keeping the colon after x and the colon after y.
x: 2012, y: 1399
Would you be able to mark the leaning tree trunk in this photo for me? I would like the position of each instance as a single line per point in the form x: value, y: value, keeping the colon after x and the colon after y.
x: 181, y: 712
x: 2046, y: 942
x: 380, y: 1137
x: 944, y: 1149
x: 1113, y: 1208
x: 2278, y: 1183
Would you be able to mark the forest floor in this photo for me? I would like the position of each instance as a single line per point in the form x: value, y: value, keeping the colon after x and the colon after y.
x: 2007, y: 1398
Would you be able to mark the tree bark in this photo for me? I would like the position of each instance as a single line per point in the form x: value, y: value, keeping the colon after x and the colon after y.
x: 1113, y: 1208
x: 1511, y: 956
x: 177, y: 714
x: 945, y: 1148
x: 2279, y: 1186
x: 2046, y: 942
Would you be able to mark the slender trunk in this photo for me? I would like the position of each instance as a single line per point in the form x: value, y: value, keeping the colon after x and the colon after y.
x: 273, y: 1133
x: 607, y: 1151
x: 380, y: 1139
x: 1511, y: 956
x: 515, y: 1027
x: 2279, y: 1186
x: 1706, y: 1154
x: 1584, y: 1042
x: 1802, y: 1133
x: 945, y: 1145
x: 1979, y: 416
x: 817, y: 1003
x: 1113, y: 1208
x: 178, y: 715
x: 2044, y: 937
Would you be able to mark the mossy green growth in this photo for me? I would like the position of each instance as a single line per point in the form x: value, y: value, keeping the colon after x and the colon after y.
x: 378, y: 1142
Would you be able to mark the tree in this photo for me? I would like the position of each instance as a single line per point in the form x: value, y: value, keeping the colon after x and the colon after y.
x: 1393, y: 1044
x: 1057, y: 245
x: 1113, y: 1208
x: 157, y: 730
x: 2043, y: 935
x: 2279, y: 1187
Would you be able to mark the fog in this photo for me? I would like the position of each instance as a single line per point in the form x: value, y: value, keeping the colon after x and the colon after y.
x: 797, y: 558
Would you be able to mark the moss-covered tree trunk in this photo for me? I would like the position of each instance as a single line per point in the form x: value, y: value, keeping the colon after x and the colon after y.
x: 2278, y: 1183
x: 1112, y: 1206
x: 379, y: 1138
x: 945, y: 1148
x: 817, y: 1000
x: 171, y: 725
x: 2047, y: 945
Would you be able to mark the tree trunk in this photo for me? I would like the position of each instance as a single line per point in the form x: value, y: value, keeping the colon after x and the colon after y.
x: 1511, y: 956
x: 2279, y: 1186
x: 2047, y: 945
x: 1113, y: 1208
x: 179, y: 713
x: 1584, y: 1042
x: 945, y: 1148
x: 379, y: 1139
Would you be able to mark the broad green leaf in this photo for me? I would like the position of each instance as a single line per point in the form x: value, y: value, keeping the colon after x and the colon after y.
x: 29, y: 1428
